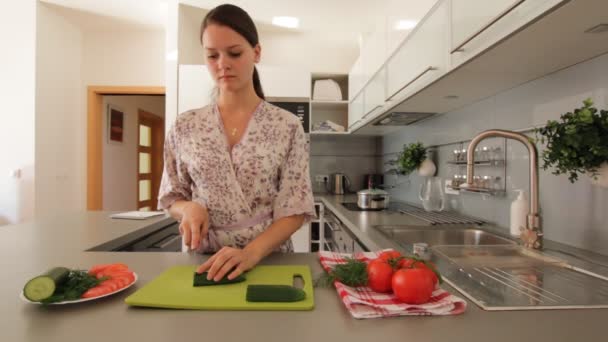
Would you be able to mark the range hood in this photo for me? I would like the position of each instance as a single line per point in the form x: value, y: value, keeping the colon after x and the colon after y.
x: 401, y: 118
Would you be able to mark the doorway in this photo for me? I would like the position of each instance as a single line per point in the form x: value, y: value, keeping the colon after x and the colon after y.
x: 95, y: 114
x: 150, y: 142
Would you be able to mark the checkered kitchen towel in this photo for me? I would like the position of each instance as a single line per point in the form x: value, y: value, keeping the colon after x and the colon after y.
x: 363, y: 302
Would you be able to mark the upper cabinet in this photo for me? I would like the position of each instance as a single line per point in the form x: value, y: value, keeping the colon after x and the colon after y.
x: 284, y: 82
x: 373, y: 50
x: 355, y: 78
x: 477, y: 25
x: 470, y: 17
x: 422, y: 56
x: 463, y: 51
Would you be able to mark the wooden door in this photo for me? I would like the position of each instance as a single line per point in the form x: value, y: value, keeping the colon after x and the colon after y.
x: 150, y: 141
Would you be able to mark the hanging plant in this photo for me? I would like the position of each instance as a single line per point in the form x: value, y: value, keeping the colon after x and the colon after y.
x: 577, y: 144
x: 411, y: 157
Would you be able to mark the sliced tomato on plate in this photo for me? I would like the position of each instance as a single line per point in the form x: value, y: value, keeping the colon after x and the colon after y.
x: 95, y: 270
x: 97, y: 291
x: 111, y: 283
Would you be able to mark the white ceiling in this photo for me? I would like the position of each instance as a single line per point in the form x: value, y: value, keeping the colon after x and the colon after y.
x: 323, y: 16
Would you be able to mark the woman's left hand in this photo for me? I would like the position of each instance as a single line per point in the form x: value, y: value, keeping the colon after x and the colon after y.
x: 228, y: 258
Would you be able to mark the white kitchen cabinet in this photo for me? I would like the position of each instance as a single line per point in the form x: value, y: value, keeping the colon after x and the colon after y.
x: 355, y: 110
x: 355, y: 78
x: 284, y: 82
x: 374, y: 94
x: 479, y: 24
x: 401, y: 18
x: 301, y: 239
x: 422, y: 57
x: 373, y: 51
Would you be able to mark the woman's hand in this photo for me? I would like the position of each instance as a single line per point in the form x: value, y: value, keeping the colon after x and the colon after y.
x: 227, y: 259
x: 194, y: 224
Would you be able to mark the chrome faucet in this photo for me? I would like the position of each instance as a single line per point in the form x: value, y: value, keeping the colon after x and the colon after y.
x: 532, y: 234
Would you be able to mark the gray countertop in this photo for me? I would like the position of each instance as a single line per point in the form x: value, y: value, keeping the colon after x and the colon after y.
x: 30, y: 248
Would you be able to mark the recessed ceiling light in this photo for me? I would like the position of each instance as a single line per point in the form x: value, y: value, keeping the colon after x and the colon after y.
x: 289, y: 22
x: 405, y: 25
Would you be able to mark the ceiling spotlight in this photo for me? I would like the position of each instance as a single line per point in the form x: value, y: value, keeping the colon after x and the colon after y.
x: 289, y: 22
x: 405, y: 25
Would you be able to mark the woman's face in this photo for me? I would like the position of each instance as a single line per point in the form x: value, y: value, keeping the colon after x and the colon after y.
x: 229, y: 57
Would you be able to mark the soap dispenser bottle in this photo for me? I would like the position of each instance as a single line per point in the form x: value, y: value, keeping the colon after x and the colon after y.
x: 519, y: 212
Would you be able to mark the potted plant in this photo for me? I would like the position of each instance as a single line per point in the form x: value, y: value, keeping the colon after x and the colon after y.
x: 577, y: 144
x: 413, y: 157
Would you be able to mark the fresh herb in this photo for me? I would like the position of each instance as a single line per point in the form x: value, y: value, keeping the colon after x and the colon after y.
x: 351, y: 273
x: 578, y: 143
x: 411, y: 157
x: 78, y: 282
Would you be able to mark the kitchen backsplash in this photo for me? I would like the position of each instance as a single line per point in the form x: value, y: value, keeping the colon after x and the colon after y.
x: 574, y: 214
x: 354, y: 156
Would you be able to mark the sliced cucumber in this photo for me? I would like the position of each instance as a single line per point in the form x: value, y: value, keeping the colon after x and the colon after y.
x: 200, y: 279
x: 274, y: 293
x: 43, y: 286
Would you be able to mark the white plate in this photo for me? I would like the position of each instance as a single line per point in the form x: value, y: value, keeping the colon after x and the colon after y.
x: 82, y: 299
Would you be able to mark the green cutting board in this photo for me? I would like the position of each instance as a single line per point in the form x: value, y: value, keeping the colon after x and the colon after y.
x: 173, y: 289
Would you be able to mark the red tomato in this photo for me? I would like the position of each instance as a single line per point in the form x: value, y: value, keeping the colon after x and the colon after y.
x: 379, y: 275
x: 413, y: 285
x: 430, y: 267
x: 96, y: 291
x: 109, y: 272
x: 124, y: 280
x: 95, y: 270
x: 388, y: 255
x: 111, y: 283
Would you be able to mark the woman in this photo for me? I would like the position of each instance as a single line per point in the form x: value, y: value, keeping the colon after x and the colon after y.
x: 236, y: 171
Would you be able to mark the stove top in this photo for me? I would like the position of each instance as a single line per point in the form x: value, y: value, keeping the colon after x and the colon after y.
x: 352, y: 206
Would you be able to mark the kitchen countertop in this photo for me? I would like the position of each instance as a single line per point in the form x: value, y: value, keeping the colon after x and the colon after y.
x: 30, y: 248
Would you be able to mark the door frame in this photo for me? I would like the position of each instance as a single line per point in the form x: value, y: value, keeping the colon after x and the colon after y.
x: 95, y: 135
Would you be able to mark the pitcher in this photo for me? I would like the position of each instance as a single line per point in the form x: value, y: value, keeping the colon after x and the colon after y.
x: 432, y: 195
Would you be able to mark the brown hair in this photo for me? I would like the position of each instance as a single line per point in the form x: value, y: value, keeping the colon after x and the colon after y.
x: 238, y: 20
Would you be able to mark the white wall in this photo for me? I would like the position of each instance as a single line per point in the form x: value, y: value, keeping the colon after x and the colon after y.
x: 133, y: 58
x: 120, y: 160
x: 17, y: 93
x: 69, y: 61
x: 60, y: 118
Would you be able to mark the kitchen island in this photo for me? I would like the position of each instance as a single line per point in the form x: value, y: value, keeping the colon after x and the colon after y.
x: 31, y: 248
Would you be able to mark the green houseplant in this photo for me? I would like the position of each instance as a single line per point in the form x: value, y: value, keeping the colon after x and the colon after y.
x: 411, y: 157
x: 577, y: 144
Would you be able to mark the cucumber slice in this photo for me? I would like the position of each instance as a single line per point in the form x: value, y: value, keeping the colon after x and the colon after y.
x: 43, y: 286
x: 201, y: 280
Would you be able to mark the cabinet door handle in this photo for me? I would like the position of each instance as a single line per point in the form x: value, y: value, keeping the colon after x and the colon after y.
x: 354, y: 123
x: 371, y: 111
x: 430, y: 68
x: 486, y: 26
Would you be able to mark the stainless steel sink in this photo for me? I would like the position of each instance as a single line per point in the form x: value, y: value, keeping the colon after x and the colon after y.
x: 406, y: 235
x: 518, y: 278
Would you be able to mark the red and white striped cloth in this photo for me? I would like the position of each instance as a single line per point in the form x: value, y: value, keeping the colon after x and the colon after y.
x: 363, y: 302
